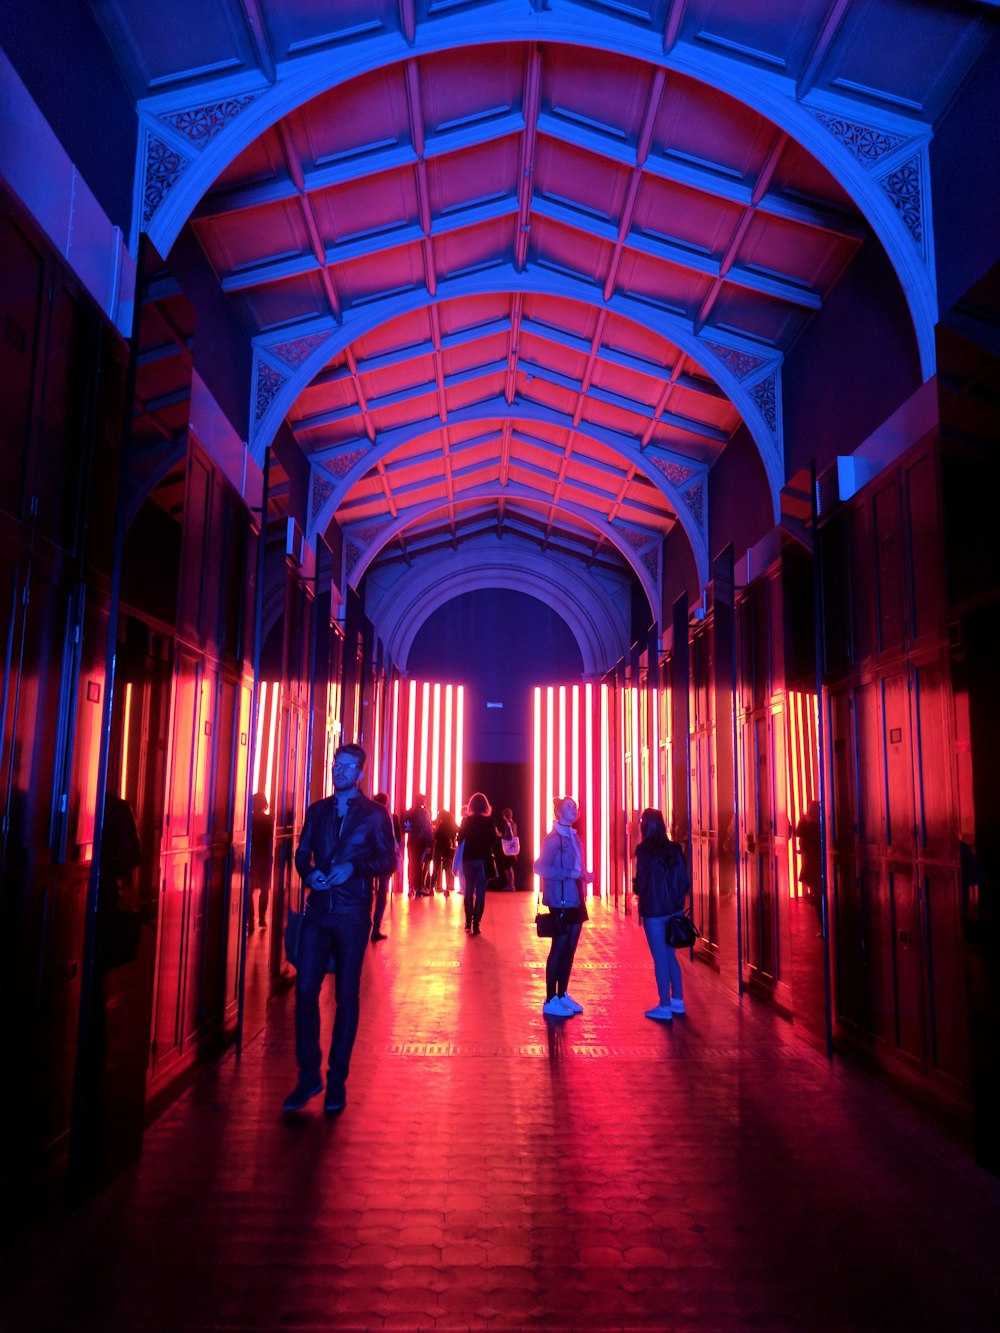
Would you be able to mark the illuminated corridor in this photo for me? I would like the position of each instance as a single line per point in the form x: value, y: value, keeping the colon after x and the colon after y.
x: 495, y: 1170
x: 587, y: 398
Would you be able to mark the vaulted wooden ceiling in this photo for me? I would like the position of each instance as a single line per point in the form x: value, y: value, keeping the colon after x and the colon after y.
x: 521, y: 271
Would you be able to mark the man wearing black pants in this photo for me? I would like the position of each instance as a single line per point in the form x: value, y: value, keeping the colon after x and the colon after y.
x: 346, y: 843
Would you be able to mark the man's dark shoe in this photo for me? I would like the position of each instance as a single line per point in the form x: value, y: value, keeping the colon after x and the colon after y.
x: 335, y: 1099
x: 377, y: 935
x: 303, y: 1092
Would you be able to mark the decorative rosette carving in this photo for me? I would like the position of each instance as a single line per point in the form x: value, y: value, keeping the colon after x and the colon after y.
x: 202, y: 123
x: 269, y: 381
x: 163, y: 169
x: 675, y: 473
x: 694, y: 498
x: 740, y: 363
x: 868, y: 145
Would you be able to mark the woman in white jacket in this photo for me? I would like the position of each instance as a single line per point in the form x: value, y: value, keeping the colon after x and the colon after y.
x: 563, y: 875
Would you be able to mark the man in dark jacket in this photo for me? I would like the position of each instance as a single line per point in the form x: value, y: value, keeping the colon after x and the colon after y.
x: 346, y: 843
x: 420, y: 843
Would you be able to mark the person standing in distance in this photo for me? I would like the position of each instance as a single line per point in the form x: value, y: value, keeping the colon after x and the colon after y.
x: 346, y: 844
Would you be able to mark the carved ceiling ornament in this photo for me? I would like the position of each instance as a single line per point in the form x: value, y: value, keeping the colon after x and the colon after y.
x: 200, y: 124
x: 268, y: 382
x: 162, y: 169
x: 694, y: 498
x: 164, y: 163
x: 765, y: 395
x: 675, y: 473
x: 740, y: 362
x: 903, y: 186
x: 297, y: 350
x: 322, y: 489
x: 635, y: 538
x: 868, y: 144
x: 340, y: 464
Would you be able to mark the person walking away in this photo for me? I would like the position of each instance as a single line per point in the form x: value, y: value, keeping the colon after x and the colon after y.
x: 477, y: 838
x: 382, y: 883
x: 661, y: 885
x: 346, y: 843
x: 419, y: 841
x: 510, y: 845
x: 563, y: 874
x: 261, y: 858
x: 445, y: 833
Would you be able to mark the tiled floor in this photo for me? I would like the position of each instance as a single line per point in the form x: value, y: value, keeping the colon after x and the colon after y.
x: 498, y: 1170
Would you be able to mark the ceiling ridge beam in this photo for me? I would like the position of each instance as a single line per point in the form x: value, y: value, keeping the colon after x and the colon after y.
x: 645, y: 139
x: 588, y: 371
x: 531, y: 99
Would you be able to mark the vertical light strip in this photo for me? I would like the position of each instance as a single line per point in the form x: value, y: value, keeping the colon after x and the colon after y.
x: 643, y: 751
x: 574, y: 742
x: 549, y: 749
x: 447, y: 798
x: 376, y: 767
x: 636, y: 749
x: 657, y: 800
x: 268, y: 787
x: 562, y: 741
x: 625, y: 750
x: 394, y: 754
x: 436, y: 753
x: 258, y: 750
x: 536, y: 778
x: 126, y: 729
x: 425, y: 719
x: 411, y: 735
x: 792, y: 763
x: 588, y: 778
x: 459, y: 747
x: 605, y: 794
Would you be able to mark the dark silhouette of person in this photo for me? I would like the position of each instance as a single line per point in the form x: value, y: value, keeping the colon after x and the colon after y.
x: 811, y: 863
x: 661, y: 885
x: 261, y: 858
x: 477, y: 836
x: 118, y: 928
x: 420, y: 843
x: 346, y: 844
x: 382, y: 883
x: 121, y: 853
x: 445, y: 834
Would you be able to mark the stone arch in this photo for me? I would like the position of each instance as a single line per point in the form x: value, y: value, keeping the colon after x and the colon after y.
x: 593, y: 617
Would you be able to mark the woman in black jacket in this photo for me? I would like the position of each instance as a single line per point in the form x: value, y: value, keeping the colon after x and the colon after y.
x: 661, y: 885
x: 477, y: 838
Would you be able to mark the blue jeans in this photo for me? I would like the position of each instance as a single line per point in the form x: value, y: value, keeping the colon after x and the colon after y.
x: 346, y: 937
x: 559, y: 963
x: 665, y: 964
x: 475, y: 891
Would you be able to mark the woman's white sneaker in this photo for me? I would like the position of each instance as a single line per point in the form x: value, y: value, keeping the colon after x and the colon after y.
x: 678, y: 1006
x: 663, y: 1012
x: 555, y: 1008
x: 575, y: 1006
